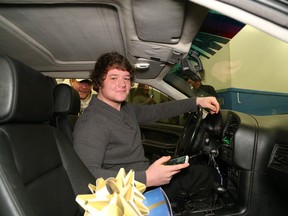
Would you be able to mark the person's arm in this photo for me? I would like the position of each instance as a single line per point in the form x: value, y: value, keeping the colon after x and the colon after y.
x: 155, y: 112
x: 160, y: 174
x: 170, y: 109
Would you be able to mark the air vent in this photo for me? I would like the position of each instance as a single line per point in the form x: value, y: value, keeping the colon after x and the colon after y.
x: 279, y: 158
x: 232, y: 124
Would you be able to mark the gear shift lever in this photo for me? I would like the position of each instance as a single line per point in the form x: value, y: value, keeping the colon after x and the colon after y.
x: 214, y: 153
x: 219, y: 189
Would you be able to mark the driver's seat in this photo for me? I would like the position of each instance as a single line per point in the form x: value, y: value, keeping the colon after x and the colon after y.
x: 40, y: 174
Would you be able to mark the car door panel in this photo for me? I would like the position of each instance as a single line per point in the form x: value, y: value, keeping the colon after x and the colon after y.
x: 160, y: 139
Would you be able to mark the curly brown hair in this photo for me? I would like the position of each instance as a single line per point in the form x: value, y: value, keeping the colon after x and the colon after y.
x: 107, y: 62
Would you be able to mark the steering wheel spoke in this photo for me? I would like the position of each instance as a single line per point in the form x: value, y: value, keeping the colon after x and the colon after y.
x: 188, y: 143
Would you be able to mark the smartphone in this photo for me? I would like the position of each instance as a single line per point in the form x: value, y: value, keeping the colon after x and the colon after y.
x: 178, y: 160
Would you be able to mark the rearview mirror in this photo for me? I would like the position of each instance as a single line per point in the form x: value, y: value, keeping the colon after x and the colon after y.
x: 191, y: 66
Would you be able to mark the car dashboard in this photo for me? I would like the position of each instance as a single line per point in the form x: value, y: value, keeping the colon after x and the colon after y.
x: 251, y: 153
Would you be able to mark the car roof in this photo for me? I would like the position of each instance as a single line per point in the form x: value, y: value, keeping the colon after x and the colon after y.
x: 65, y: 37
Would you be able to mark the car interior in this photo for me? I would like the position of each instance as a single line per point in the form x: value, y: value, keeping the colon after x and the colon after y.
x: 40, y: 172
x: 44, y: 41
x: 66, y: 109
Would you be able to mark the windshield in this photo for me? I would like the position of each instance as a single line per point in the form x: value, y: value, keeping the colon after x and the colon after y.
x: 246, y: 67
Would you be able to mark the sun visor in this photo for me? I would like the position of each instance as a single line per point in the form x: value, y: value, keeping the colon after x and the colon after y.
x: 164, y: 28
x: 155, y: 52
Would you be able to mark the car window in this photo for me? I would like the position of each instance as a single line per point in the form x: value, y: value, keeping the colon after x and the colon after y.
x: 145, y: 94
x: 247, y: 67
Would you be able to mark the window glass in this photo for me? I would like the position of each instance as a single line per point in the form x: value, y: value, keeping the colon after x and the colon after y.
x: 145, y: 94
x: 246, y: 67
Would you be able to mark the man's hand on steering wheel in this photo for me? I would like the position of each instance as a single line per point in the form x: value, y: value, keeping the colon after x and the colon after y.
x: 209, y: 103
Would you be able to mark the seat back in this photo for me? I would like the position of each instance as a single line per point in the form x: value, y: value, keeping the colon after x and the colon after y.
x: 40, y: 174
x: 66, y: 109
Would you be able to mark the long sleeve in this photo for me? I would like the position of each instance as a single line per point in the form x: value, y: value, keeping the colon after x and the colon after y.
x: 152, y: 113
x: 107, y: 139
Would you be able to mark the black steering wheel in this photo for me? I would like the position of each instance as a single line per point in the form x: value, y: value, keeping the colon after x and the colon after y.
x: 187, y: 144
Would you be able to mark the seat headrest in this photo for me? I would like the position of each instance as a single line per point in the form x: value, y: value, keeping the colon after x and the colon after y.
x: 26, y: 95
x: 66, y: 100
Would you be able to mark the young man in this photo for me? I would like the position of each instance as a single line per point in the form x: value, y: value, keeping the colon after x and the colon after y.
x: 84, y: 88
x: 107, y: 136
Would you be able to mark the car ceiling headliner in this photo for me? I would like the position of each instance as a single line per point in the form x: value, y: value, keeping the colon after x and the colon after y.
x: 59, y: 36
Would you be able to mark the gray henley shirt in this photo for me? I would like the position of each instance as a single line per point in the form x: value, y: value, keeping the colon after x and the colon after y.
x: 107, y: 139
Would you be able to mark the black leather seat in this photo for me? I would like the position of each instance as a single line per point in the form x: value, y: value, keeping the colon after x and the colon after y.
x: 40, y: 174
x: 66, y: 109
